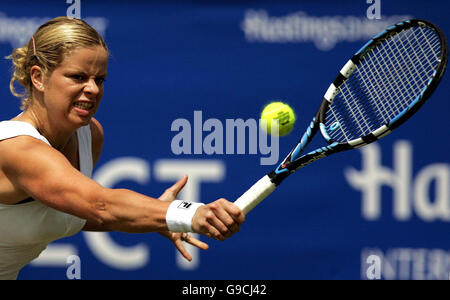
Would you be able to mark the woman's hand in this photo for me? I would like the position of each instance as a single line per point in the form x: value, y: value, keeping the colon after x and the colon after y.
x: 175, y: 237
x: 219, y: 219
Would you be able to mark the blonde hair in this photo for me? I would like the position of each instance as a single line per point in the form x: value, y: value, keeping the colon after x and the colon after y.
x: 47, y: 48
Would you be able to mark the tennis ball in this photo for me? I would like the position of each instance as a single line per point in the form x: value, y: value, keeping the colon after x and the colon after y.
x: 281, y: 112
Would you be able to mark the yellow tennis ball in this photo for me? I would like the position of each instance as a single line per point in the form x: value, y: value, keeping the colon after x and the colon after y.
x: 281, y: 112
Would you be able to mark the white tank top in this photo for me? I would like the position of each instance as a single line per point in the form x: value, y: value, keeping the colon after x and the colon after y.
x: 26, y: 229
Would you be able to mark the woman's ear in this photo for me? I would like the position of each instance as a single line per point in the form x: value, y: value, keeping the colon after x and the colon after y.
x: 37, y: 78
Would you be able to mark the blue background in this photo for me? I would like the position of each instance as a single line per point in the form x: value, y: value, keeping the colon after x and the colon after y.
x: 170, y: 58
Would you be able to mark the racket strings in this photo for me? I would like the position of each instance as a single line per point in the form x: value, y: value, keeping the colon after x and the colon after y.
x: 385, y: 83
x: 392, y: 86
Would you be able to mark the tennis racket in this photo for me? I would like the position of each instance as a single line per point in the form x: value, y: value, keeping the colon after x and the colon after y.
x: 376, y: 91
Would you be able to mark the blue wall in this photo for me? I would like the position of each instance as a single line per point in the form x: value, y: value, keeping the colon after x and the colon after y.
x: 228, y: 59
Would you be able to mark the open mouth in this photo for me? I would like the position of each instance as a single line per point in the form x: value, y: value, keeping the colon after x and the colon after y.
x: 84, y: 105
x: 84, y: 108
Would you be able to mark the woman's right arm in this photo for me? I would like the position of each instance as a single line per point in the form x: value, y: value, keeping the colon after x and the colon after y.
x: 47, y: 176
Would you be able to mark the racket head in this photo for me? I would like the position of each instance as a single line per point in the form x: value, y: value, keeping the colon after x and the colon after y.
x: 383, y: 84
x: 376, y: 91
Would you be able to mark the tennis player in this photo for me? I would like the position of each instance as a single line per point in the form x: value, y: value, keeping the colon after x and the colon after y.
x: 47, y: 154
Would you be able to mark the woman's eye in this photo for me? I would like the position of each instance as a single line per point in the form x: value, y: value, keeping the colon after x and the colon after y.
x: 82, y: 78
x: 99, y: 81
x: 78, y: 77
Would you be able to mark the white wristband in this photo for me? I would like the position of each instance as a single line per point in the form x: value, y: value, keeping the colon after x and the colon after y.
x: 179, y: 215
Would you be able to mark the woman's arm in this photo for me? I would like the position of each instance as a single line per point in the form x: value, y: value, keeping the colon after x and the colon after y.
x: 98, y: 136
x: 47, y: 176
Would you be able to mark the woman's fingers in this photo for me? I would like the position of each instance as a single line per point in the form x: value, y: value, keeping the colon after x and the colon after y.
x: 193, y: 241
x: 179, y: 245
x: 171, y: 193
x: 178, y: 239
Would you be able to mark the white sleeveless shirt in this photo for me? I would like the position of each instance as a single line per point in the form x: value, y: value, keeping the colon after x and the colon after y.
x: 26, y: 229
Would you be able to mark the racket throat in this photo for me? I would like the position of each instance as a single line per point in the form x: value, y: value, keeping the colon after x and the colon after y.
x: 277, y: 178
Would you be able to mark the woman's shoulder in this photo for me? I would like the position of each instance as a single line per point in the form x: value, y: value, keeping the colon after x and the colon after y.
x: 97, y: 138
x: 96, y: 130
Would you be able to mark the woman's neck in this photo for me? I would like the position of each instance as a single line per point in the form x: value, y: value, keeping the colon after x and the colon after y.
x: 57, y: 136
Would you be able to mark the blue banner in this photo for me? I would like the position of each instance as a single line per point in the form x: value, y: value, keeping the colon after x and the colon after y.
x: 183, y: 70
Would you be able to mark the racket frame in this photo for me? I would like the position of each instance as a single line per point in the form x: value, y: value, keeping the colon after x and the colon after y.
x: 294, y: 161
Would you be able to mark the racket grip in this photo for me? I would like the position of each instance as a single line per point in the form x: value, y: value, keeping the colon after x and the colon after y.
x: 253, y: 196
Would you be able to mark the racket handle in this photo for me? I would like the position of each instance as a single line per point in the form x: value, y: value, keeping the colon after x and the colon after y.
x: 253, y: 196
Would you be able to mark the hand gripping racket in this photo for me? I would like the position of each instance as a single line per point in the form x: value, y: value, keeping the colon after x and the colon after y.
x: 376, y: 91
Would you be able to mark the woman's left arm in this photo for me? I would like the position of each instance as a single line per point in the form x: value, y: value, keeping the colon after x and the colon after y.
x: 98, y: 137
x: 97, y: 146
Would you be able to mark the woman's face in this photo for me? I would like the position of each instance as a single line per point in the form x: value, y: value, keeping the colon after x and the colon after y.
x: 74, y: 89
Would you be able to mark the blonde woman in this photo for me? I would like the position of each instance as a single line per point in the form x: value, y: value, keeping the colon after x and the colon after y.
x: 47, y: 154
